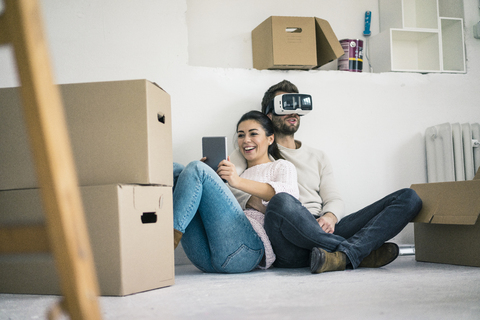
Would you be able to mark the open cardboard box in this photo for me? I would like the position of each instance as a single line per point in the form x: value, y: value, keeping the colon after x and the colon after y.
x: 294, y: 43
x: 447, y: 229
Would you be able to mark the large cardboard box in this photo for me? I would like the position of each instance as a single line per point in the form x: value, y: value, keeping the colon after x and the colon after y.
x: 120, y: 131
x: 294, y: 43
x: 447, y: 229
x: 131, y: 234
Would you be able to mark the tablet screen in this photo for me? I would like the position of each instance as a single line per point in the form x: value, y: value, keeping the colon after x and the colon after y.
x: 215, y: 150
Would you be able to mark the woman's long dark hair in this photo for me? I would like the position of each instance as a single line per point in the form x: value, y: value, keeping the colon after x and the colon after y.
x: 267, y: 126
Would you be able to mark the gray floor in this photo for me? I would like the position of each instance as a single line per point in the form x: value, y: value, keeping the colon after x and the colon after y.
x: 405, y: 289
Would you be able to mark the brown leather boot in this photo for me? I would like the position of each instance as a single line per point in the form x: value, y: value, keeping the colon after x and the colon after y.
x: 381, y: 257
x: 323, y: 261
x: 177, y: 235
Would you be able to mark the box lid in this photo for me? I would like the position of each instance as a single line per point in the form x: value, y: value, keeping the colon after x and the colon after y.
x: 328, y: 46
x: 449, y: 202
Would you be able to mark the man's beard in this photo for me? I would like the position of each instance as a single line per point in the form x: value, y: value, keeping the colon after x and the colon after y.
x: 282, y: 127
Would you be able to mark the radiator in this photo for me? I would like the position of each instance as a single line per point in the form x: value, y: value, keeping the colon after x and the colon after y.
x: 453, y: 151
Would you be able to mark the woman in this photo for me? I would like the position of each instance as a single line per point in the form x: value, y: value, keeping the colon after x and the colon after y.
x: 217, y: 235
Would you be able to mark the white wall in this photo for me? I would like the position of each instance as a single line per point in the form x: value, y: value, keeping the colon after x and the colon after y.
x: 371, y: 125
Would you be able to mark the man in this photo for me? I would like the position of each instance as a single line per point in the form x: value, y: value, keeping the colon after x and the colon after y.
x: 314, y: 230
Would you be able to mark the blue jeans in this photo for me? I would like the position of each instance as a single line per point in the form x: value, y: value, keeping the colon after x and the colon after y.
x: 217, y: 236
x: 294, y: 231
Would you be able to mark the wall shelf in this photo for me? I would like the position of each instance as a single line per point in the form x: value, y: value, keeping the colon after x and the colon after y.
x: 452, y: 45
x: 415, y: 38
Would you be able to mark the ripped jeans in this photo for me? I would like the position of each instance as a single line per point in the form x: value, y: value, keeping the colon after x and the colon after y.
x: 217, y: 236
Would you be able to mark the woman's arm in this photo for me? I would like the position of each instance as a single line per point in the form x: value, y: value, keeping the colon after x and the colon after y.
x: 261, y: 190
x: 243, y: 198
x: 284, y: 178
x: 226, y: 170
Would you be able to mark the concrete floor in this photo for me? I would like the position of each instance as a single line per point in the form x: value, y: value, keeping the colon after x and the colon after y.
x: 405, y: 289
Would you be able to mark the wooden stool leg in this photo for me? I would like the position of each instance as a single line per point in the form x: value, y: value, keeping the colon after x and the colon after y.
x: 53, y: 159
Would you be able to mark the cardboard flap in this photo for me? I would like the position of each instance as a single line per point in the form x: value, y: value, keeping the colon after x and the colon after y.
x: 449, y: 202
x: 328, y: 46
x: 477, y: 176
x: 147, y: 198
x: 429, y: 193
x: 462, y: 220
x: 156, y: 84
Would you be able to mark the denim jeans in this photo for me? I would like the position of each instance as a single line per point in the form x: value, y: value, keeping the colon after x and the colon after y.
x: 217, y: 236
x: 294, y: 231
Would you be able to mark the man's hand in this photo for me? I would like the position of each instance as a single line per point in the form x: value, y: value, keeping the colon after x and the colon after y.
x: 327, y: 222
x: 256, y: 203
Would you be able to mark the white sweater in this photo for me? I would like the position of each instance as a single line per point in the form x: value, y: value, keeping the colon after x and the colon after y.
x: 282, y: 176
x: 318, y: 190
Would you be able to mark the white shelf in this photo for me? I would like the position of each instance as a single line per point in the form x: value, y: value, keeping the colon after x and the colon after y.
x: 407, y: 14
x: 419, y: 36
x: 408, y: 51
x: 420, y: 14
x: 415, y: 51
x: 450, y: 8
x: 453, y: 49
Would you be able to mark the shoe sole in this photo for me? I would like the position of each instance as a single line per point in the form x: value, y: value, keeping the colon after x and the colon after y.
x: 315, y: 259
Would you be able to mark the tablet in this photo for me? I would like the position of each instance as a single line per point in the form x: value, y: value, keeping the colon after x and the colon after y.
x: 215, y: 150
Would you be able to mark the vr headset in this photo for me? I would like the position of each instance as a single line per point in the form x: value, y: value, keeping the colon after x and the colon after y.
x: 289, y: 103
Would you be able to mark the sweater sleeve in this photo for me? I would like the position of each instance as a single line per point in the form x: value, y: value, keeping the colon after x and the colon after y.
x: 332, y: 200
x: 284, y: 178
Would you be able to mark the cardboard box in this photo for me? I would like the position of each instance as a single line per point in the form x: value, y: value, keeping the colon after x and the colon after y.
x: 447, y: 229
x: 294, y: 43
x: 120, y: 132
x: 131, y: 234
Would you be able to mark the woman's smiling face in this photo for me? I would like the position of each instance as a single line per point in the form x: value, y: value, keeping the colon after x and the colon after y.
x: 253, y: 142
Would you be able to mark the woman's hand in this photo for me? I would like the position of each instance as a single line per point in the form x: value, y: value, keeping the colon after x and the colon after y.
x: 227, y: 171
x: 203, y: 159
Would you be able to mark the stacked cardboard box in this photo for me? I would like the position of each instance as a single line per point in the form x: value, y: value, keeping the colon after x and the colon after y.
x: 294, y: 43
x: 120, y: 134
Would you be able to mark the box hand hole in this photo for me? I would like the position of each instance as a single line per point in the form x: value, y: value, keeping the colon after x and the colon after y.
x: 149, y: 217
x: 161, y: 118
x: 293, y: 30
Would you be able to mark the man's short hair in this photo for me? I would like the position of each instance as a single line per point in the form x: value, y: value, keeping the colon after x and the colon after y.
x: 283, y: 86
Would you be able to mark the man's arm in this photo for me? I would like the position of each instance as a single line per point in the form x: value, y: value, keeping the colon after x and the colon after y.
x: 328, y: 190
